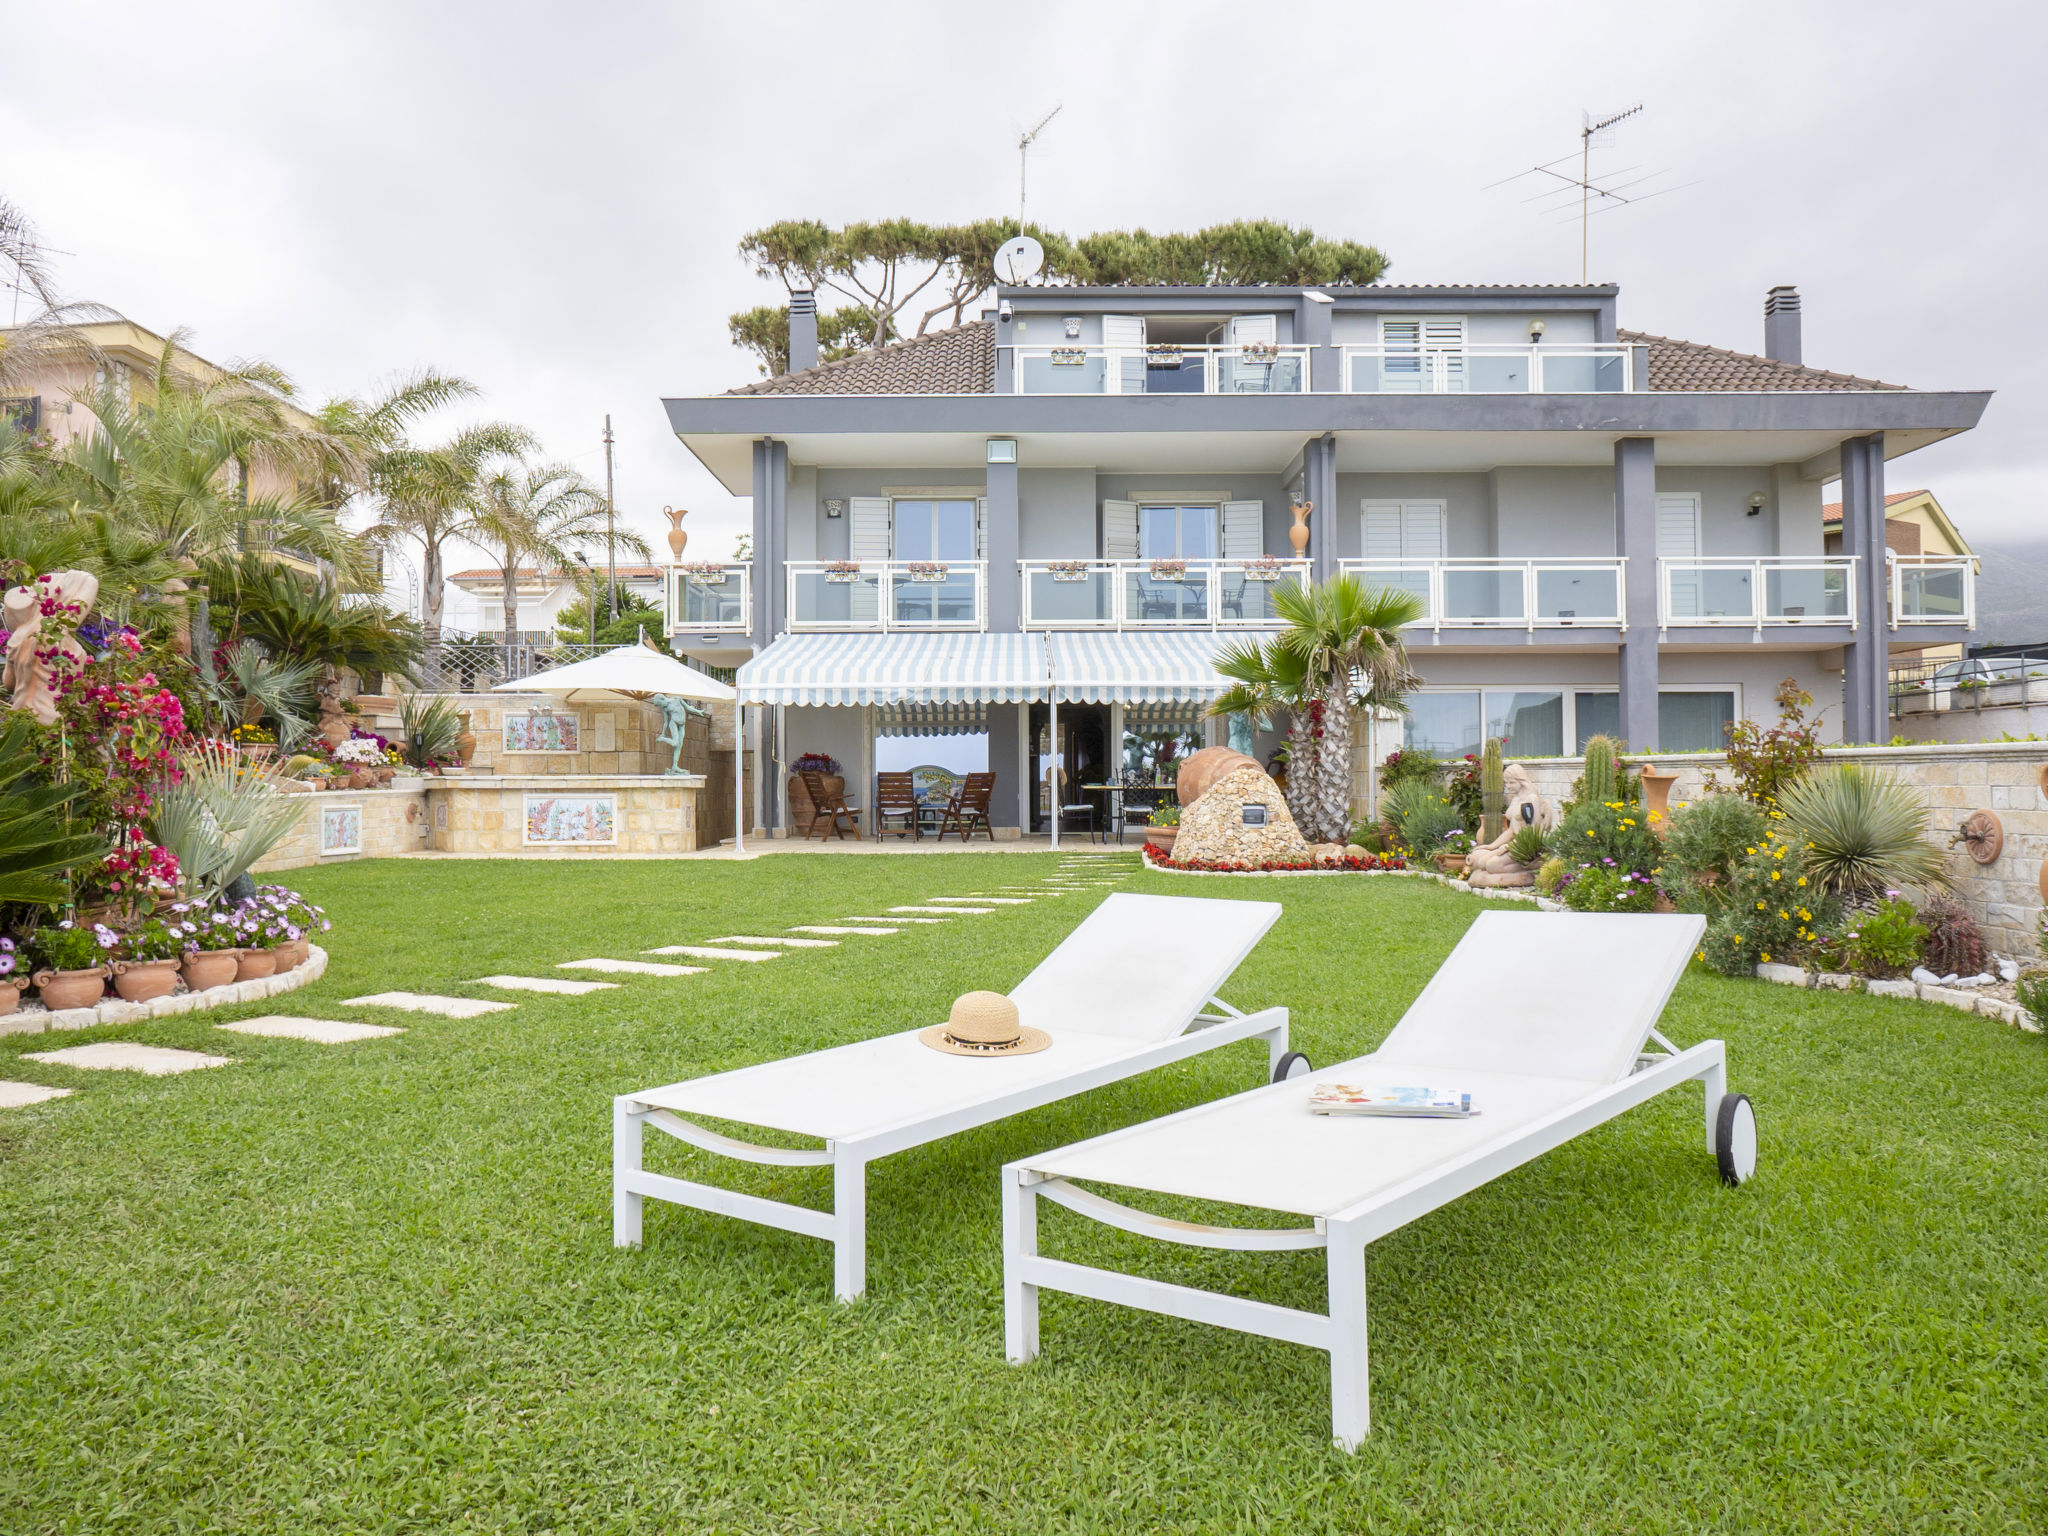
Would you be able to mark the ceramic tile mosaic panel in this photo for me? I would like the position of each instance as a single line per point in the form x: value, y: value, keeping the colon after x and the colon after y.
x: 542, y: 733
x: 570, y: 819
x: 341, y: 829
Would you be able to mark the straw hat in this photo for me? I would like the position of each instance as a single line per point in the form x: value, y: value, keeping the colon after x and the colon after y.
x: 984, y: 1024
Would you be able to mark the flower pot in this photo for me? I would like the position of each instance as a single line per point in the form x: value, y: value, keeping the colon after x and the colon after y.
x: 206, y: 968
x: 1657, y: 784
x: 1162, y: 837
x: 143, y: 981
x: 465, y: 743
x: 1664, y: 904
x: 256, y: 964
x: 71, y: 989
x: 11, y: 988
x: 2009, y: 693
x: 1919, y: 701
x: 1451, y: 863
x: 292, y: 955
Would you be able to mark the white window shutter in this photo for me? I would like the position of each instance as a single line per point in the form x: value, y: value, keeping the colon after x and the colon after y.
x: 981, y: 527
x: 1123, y: 331
x: 868, y: 536
x: 1400, y: 333
x: 1254, y: 330
x: 1422, y: 531
x: 1381, y: 534
x: 1123, y: 336
x: 1244, y: 529
x: 1678, y: 527
x: 1119, y: 530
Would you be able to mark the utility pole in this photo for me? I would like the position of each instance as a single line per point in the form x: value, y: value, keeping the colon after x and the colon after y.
x: 611, y: 548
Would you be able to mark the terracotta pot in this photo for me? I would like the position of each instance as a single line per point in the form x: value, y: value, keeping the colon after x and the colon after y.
x: 465, y: 744
x: 677, y: 538
x: 1298, y: 534
x: 1451, y: 863
x: 383, y: 776
x: 142, y: 981
x: 256, y: 964
x: 11, y: 988
x: 258, y: 751
x: 71, y: 989
x: 293, y: 955
x: 1162, y: 837
x: 206, y: 968
x: 1657, y: 784
x: 1663, y: 904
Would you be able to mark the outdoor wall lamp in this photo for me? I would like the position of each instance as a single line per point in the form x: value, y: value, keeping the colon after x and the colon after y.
x: 1002, y: 450
x: 1535, y: 331
x: 1756, y: 502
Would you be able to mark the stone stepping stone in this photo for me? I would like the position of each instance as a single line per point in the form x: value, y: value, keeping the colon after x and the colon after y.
x: 631, y: 967
x: 947, y: 911
x: 21, y: 1095
x: 124, y: 1056
x: 975, y: 901
x: 929, y: 921
x: 427, y: 1002
x: 758, y: 938
x: 700, y: 952
x: 818, y: 928
x: 553, y: 984
x: 319, y: 1031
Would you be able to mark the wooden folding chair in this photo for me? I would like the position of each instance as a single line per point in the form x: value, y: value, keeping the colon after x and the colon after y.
x: 969, y: 806
x: 826, y: 808
x: 896, y: 799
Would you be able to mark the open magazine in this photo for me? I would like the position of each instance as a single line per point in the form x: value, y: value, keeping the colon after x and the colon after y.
x: 1405, y: 1103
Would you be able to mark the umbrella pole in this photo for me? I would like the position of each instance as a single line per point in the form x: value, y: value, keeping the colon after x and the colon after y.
x: 1053, y: 725
x: 739, y: 777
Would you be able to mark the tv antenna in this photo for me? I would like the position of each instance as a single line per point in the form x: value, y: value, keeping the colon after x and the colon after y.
x: 1024, y: 143
x: 1601, y: 196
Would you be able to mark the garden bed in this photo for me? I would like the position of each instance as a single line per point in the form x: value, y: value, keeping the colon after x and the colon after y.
x: 33, y: 1018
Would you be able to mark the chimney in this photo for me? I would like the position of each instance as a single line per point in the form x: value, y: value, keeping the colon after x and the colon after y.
x: 803, y: 330
x: 1781, y: 325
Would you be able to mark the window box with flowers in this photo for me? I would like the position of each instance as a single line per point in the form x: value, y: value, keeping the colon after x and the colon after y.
x: 841, y: 572
x: 706, y: 573
x: 1169, y: 570
x: 1265, y: 568
x: 1067, y: 570
x: 928, y: 570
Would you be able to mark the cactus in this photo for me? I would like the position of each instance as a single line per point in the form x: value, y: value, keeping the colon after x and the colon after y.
x: 1600, y: 783
x: 1493, y: 794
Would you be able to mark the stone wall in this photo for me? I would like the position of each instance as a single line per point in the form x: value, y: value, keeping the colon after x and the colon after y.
x: 394, y: 821
x: 2009, y: 779
x: 488, y: 814
x: 1969, y: 714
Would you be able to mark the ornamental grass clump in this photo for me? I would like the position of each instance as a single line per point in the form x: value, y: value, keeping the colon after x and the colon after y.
x: 1773, y: 911
x: 1423, y: 816
x: 1861, y: 832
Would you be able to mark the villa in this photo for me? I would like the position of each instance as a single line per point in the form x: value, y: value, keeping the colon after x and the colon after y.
x: 1064, y: 508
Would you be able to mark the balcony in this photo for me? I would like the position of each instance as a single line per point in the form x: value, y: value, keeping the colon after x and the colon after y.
x: 1564, y: 368
x: 1156, y: 594
x: 887, y: 595
x: 1505, y: 594
x: 1933, y: 589
x: 709, y: 597
x: 1753, y: 593
x: 1163, y: 370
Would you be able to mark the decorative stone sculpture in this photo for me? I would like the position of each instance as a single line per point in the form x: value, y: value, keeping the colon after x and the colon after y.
x: 1199, y: 770
x: 28, y: 673
x: 1488, y: 865
x: 1242, y: 819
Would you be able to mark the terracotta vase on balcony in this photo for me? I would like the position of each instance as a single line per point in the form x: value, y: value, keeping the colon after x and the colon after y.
x: 1298, y: 534
x: 676, y: 537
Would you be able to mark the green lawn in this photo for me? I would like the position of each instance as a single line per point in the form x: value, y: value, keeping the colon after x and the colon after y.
x: 372, y: 1288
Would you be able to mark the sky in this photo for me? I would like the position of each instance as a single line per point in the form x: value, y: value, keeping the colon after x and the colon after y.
x: 547, y: 201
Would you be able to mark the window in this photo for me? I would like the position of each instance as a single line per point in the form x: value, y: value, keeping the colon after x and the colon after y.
x: 1529, y: 724
x: 1447, y: 723
x: 935, y: 530
x: 1537, y: 722
x: 1688, y: 719
x: 1177, y: 533
x: 1422, y: 355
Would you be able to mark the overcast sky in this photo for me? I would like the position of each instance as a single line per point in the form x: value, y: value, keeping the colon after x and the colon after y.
x: 546, y: 199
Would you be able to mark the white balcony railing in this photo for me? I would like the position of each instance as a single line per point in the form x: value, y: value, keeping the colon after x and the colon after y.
x: 1506, y: 594
x: 709, y: 597
x: 1754, y: 593
x: 1564, y: 368
x: 1156, y: 594
x: 1229, y: 370
x: 1933, y: 589
x: 887, y: 594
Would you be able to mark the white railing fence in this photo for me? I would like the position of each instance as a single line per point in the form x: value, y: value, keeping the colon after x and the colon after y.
x: 1506, y: 594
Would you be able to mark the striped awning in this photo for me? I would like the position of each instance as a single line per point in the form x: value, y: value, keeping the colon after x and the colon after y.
x: 1140, y: 666
x: 931, y: 719
x: 897, y: 669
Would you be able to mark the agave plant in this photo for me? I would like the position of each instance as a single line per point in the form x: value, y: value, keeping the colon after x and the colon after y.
x: 1861, y: 832
x: 431, y: 727
x: 222, y: 817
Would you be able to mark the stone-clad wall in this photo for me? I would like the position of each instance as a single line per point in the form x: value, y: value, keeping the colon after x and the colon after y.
x: 394, y: 822
x: 488, y: 814
x: 1954, y: 779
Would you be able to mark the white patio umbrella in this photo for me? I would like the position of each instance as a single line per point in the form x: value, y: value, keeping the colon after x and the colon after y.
x: 635, y: 673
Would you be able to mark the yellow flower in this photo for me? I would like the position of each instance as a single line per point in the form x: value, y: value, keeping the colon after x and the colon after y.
x: 1589, y: 831
x: 1699, y: 954
x: 1767, y: 957
x: 1802, y: 879
x: 1805, y: 916
x: 1777, y: 853
x: 1749, y: 850
x: 1784, y: 916
x: 1776, y: 876
x: 1759, y: 906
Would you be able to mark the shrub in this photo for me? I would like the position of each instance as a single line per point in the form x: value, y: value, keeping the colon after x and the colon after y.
x: 1410, y: 764
x: 1422, y: 815
x: 1887, y: 940
x: 152, y: 939
x: 1461, y: 785
x: 1368, y: 835
x: 68, y: 947
x: 1954, y: 946
x: 1163, y: 816
x: 1772, y: 910
x: 1703, y: 845
x: 1861, y: 831
x: 1603, y: 889
x: 2033, y: 995
x: 1767, y: 763
x: 1608, y: 834
x: 430, y: 727
x: 1547, y: 877
x: 1527, y: 845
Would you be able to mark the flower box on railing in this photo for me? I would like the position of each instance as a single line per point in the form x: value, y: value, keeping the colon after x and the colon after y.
x: 1163, y: 357
x: 841, y: 572
x: 706, y: 573
x: 1264, y: 570
x: 928, y: 570
x: 1067, y: 570
x: 1169, y: 570
x: 1069, y: 357
x: 1260, y: 352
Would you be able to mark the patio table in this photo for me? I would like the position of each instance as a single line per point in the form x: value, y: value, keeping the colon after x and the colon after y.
x: 1114, y: 795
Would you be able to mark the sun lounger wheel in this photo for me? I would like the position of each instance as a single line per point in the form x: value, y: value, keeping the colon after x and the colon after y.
x: 1735, y: 1139
x: 1293, y: 1064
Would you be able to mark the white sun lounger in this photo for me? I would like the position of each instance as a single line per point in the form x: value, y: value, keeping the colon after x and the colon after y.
x: 1125, y: 992
x: 1547, y: 1020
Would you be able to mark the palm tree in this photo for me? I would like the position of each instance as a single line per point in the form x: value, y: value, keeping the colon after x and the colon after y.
x: 1341, y: 645
x: 427, y: 495
x: 356, y: 434
x: 540, y: 513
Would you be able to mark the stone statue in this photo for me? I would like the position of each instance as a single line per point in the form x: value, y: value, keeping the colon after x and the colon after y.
x: 675, y: 721
x: 1489, y: 864
x: 27, y: 673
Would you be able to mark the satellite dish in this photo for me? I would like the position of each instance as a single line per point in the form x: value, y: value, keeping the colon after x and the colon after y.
x: 1019, y: 260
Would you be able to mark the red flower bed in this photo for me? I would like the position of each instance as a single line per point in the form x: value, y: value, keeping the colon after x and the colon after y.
x: 1356, y: 863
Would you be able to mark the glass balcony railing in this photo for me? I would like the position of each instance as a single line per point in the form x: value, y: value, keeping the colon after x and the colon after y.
x: 1752, y: 593
x: 1504, y: 594
x: 710, y: 597
x: 1564, y: 368
x: 1156, y: 594
x: 1238, y: 370
x: 887, y: 594
x: 1934, y: 589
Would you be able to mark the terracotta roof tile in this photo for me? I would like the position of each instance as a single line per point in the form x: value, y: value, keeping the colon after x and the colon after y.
x: 960, y: 360
x: 1832, y: 511
x: 1686, y: 365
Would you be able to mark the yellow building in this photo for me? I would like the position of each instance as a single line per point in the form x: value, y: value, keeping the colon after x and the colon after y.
x: 1914, y: 524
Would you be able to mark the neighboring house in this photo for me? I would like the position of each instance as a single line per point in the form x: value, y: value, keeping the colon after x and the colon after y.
x: 476, y: 600
x: 1071, y: 503
x: 1914, y: 526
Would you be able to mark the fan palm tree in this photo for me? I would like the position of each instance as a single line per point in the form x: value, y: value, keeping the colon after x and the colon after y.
x: 542, y: 514
x: 1340, y: 645
x: 427, y: 495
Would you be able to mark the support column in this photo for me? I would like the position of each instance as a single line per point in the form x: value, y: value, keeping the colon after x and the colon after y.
x: 1004, y: 738
x: 1000, y: 549
x: 1635, y: 540
x: 1867, y: 660
x: 1319, y: 484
